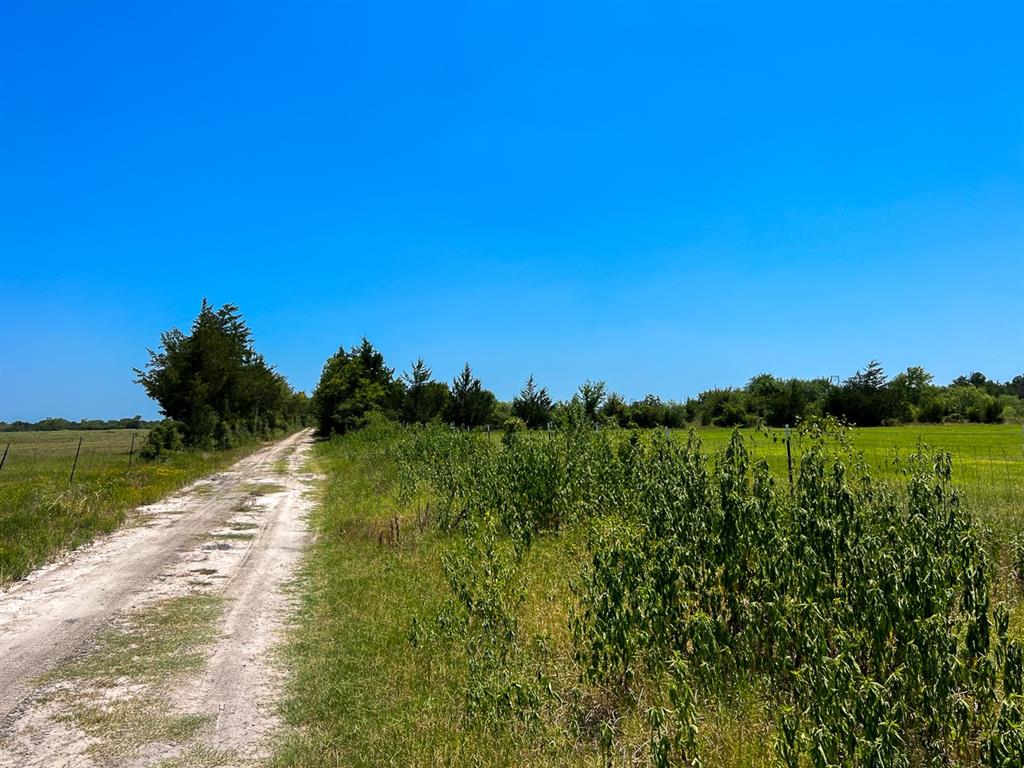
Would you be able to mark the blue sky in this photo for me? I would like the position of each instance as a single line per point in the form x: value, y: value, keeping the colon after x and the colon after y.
x: 666, y: 196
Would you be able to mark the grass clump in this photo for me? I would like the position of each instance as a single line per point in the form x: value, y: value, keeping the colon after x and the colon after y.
x: 262, y: 489
x: 232, y: 536
x: 123, y: 727
x: 113, y: 693
x: 202, y: 756
x: 160, y: 642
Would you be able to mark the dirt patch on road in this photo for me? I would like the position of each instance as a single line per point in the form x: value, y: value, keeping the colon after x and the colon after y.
x: 154, y: 647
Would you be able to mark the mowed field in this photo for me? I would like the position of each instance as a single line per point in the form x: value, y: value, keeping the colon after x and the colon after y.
x: 43, y: 512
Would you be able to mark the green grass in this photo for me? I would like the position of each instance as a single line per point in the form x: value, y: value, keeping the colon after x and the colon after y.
x: 203, y: 757
x: 988, y: 459
x: 42, y: 514
x: 125, y: 727
x: 154, y: 645
x: 232, y: 536
x: 262, y: 489
x: 360, y: 694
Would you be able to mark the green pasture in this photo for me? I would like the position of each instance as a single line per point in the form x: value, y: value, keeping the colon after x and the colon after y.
x: 988, y: 459
x: 42, y: 456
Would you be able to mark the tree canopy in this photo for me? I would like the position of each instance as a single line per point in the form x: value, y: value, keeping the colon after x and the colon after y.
x: 425, y: 399
x: 214, y: 383
x: 353, y: 384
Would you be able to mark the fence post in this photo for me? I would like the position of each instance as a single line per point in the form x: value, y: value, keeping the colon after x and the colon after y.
x: 4, y: 459
x: 131, y: 451
x: 73, y: 466
x: 789, y: 460
x: 1009, y: 480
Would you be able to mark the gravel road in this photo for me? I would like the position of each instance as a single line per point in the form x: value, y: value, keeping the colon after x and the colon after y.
x: 233, y: 541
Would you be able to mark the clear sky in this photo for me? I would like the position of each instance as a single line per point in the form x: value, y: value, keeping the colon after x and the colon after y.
x: 668, y: 196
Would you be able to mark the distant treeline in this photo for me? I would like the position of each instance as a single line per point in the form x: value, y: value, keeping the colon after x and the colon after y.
x: 868, y: 398
x: 357, y: 385
x: 54, y: 425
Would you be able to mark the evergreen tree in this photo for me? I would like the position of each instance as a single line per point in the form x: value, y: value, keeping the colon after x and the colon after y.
x: 864, y: 399
x: 533, y: 405
x: 471, y: 405
x: 425, y: 399
x: 214, y: 382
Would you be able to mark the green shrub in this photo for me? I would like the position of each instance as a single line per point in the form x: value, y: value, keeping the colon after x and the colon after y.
x: 166, y: 437
x: 863, y: 608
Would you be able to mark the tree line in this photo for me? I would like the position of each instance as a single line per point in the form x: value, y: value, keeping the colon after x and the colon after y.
x: 867, y: 398
x: 215, y: 391
x: 357, y: 385
x: 53, y: 424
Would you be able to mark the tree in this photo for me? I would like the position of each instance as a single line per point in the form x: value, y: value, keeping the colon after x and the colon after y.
x: 591, y: 395
x: 863, y: 398
x: 649, y: 412
x: 214, y: 382
x: 353, y: 384
x: 768, y: 400
x: 615, y: 410
x: 425, y: 399
x: 724, y: 407
x: 471, y: 405
x: 533, y: 405
x: 910, y: 392
x: 970, y: 403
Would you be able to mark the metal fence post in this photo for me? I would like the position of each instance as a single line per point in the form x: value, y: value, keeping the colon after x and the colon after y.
x: 789, y: 460
x: 73, y: 466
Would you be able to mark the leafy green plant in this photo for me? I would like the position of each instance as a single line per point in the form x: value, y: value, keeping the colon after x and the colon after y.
x: 863, y: 606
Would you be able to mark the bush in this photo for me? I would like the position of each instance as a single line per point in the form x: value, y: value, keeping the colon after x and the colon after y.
x: 512, y: 425
x: 166, y: 437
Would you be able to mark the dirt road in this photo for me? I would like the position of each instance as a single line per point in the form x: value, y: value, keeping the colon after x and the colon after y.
x: 154, y: 646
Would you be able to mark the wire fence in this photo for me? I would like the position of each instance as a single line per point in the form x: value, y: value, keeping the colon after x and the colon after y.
x: 991, y: 474
x: 27, y: 457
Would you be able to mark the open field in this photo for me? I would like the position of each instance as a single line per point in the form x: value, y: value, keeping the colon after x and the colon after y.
x: 42, y: 513
x: 45, y: 456
x: 988, y: 459
x: 450, y: 602
x: 466, y: 619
